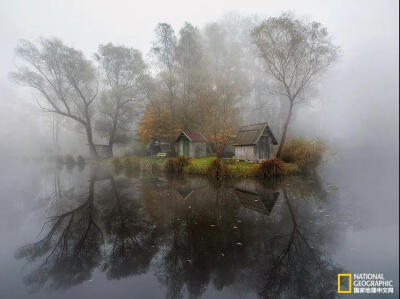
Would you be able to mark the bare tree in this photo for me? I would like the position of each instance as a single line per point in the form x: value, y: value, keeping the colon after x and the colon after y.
x: 64, y: 80
x: 124, y: 69
x: 191, y: 74
x: 296, y: 53
x: 164, y: 50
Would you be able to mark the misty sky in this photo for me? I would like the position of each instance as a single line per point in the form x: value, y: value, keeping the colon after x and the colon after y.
x: 359, y: 96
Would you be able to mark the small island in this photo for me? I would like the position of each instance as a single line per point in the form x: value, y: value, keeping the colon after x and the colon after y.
x: 300, y: 156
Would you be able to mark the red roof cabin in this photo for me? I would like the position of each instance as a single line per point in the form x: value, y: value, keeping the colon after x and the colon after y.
x: 191, y: 144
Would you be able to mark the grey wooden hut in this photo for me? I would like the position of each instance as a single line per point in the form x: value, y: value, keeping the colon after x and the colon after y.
x: 254, y: 143
x: 159, y: 145
x: 191, y: 144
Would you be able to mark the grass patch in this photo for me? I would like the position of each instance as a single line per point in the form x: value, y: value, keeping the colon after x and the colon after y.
x: 306, y: 153
x: 199, y: 165
x: 242, y: 169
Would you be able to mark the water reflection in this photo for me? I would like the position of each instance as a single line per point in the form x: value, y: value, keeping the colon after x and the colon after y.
x: 267, y: 239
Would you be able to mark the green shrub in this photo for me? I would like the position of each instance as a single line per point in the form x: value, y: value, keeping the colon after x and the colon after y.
x: 270, y: 168
x: 305, y: 153
x: 128, y: 172
x: 69, y: 160
x: 169, y: 165
x: 176, y: 165
x: 80, y: 160
x: 117, y: 162
x: 147, y: 165
x: 217, y: 169
x: 182, y: 161
x: 132, y: 163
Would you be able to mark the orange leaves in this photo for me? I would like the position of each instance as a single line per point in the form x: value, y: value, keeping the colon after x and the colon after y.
x: 157, y: 121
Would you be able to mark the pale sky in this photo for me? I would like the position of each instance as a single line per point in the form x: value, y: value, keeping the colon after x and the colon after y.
x: 362, y: 88
x: 85, y: 24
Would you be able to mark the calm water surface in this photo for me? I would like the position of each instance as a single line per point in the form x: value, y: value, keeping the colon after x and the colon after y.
x: 92, y: 233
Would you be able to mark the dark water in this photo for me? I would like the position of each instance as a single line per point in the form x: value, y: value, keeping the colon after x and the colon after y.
x: 91, y: 233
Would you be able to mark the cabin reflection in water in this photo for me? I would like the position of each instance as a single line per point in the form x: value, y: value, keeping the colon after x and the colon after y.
x: 262, y: 201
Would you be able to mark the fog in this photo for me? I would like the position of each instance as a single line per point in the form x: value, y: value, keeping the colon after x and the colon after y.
x: 190, y: 235
x: 356, y: 109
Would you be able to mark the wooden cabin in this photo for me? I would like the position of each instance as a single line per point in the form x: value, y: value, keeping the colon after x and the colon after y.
x: 254, y: 143
x: 159, y: 145
x: 191, y: 144
x: 228, y: 151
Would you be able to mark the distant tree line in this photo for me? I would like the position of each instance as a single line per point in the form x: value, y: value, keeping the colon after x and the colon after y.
x: 210, y: 80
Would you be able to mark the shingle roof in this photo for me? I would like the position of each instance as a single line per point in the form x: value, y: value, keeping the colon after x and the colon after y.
x: 249, y: 135
x: 193, y: 136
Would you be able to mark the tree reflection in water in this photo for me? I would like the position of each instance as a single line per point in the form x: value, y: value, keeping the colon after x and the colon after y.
x: 71, y: 249
x: 270, y: 239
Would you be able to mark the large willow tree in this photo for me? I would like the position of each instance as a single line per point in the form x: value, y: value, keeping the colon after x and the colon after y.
x: 64, y: 81
x: 296, y: 53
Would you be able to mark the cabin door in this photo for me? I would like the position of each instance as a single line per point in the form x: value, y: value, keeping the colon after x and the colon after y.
x: 262, y: 147
x: 186, y: 147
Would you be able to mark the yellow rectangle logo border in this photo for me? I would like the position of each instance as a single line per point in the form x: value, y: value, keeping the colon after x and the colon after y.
x: 338, y: 281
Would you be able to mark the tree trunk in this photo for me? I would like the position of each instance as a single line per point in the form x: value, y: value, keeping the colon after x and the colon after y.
x: 114, y: 127
x: 282, y: 143
x: 92, y: 147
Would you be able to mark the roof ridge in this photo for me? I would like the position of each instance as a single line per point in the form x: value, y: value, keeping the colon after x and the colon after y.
x: 254, y: 124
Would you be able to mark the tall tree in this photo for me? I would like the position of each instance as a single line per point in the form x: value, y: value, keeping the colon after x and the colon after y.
x: 158, y: 121
x: 64, y: 80
x: 296, y: 53
x: 227, y: 85
x: 164, y: 52
x: 124, y: 72
x: 191, y: 74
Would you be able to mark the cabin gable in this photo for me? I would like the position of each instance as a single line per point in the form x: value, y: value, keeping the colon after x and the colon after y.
x: 191, y: 144
x: 254, y: 143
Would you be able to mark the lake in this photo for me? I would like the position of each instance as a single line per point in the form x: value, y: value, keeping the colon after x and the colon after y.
x: 93, y: 233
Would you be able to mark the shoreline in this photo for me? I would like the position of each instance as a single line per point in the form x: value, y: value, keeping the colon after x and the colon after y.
x: 197, y: 166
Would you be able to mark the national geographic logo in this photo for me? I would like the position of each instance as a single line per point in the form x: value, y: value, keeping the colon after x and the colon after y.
x: 364, y: 283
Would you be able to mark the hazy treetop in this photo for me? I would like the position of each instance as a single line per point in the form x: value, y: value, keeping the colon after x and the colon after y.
x: 366, y: 31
